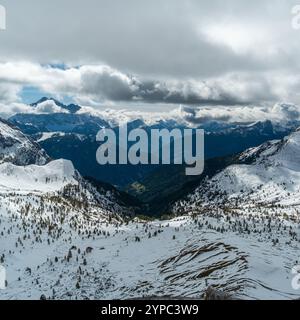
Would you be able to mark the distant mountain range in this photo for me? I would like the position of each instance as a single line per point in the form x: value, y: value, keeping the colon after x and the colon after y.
x: 71, y: 135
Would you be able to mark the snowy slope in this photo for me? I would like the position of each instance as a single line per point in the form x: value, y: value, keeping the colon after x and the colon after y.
x: 180, y: 257
x: 41, y: 179
x: 17, y: 148
x: 270, y: 175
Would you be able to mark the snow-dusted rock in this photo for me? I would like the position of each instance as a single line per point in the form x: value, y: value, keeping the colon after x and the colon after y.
x: 18, y: 149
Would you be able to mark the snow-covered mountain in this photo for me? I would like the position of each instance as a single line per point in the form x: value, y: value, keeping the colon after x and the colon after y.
x: 58, y: 122
x: 26, y: 169
x: 17, y: 148
x: 45, y: 101
x: 268, y: 175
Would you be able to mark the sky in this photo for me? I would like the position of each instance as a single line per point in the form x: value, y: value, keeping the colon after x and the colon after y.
x: 152, y: 54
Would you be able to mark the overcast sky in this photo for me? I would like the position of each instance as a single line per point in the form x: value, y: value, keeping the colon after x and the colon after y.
x: 127, y: 52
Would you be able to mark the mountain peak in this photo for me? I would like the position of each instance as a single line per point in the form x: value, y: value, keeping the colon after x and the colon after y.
x: 72, y: 108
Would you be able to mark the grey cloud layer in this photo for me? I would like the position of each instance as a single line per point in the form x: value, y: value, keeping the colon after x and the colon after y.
x: 178, y: 52
x: 98, y: 84
x: 159, y: 38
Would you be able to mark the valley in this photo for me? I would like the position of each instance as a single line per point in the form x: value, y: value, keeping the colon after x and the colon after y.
x: 235, y: 229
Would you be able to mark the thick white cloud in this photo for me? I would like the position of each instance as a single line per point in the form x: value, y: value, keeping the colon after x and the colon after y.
x: 9, y: 109
x: 280, y: 112
x: 48, y: 107
x: 9, y: 92
x: 190, y: 52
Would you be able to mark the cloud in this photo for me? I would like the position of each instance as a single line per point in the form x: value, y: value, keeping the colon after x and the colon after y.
x: 48, y: 107
x: 7, y: 110
x: 196, y: 116
x: 105, y: 83
x: 98, y: 84
x: 194, y: 52
x: 189, y: 39
x: 286, y: 111
x: 9, y: 92
x: 279, y: 112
